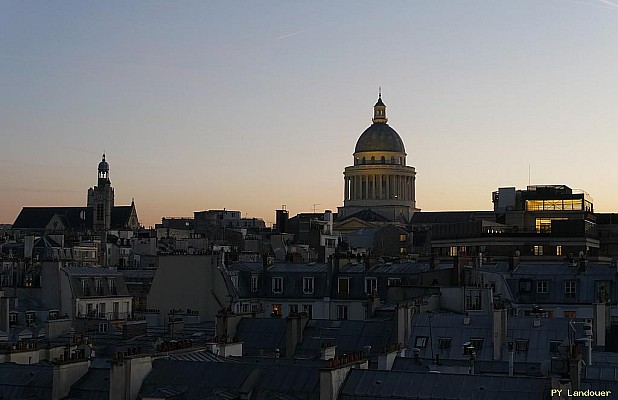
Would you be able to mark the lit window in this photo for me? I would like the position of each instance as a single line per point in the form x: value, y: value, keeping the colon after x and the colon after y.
x: 570, y: 314
x: 371, y: 285
x: 452, y: 251
x: 403, y: 238
x: 541, y: 286
x: 344, y: 285
x: 277, y: 309
x: 308, y: 285
x: 277, y: 284
x: 342, y: 312
x: 538, y: 250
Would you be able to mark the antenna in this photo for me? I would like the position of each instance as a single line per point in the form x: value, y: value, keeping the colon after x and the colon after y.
x: 314, y: 207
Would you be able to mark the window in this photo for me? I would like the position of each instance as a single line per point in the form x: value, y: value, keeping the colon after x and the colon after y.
x: 541, y: 286
x: 277, y: 309
x: 394, y: 281
x: 277, y: 284
x: 99, y: 212
x: 554, y: 346
x: 558, y: 250
x: 344, y: 285
x: 602, y: 290
x: 98, y: 285
x: 525, y: 285
x: 103, y: 327
x: 308, y: 308
x: 538, y: 250
x: 371, y: 285
x: 452, y: 251
x: 293, y: 308
x: 570, y: 314
x: 403, y: 238
x: 521, y: 345
x: 111, y: 284
x: 444, y: 343
x: 13, y: 318
x: 254, y: 283
x: 474, y: 300
x: 84, y: 285
x: 420, y: 342
x: 30, y: 318
x: 308, y: 285
x: 569, y: 289
x: 477, y: 343
x: 342, y: 312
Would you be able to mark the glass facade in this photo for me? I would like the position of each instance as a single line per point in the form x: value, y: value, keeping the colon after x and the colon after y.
x: 558, y: 205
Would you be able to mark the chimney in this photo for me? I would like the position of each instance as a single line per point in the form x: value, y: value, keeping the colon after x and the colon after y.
x: 513, y: 262
x: 294, y: 327
x: 328, y: 351
x: 387, y: 358
x: 583, y: 265
x: 127, y: 375
x: 499, y: 331
x: 4, y: 313
x: 333, y: 377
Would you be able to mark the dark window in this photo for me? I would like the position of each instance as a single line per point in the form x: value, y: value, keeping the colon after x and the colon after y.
x: 521, y: 345
x: 444, y: 343
x: 554, y: 346
x: 477, y: 343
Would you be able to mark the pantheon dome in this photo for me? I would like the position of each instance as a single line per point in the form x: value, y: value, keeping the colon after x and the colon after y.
x: 379, y: 180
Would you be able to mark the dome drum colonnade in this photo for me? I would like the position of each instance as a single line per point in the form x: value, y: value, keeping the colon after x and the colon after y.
x: 380, y: 180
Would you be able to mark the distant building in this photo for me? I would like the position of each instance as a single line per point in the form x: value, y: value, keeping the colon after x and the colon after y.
x: 100, y: 213
x: 380, y: 179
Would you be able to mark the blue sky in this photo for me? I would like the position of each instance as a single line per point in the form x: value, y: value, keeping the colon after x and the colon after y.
x: 251, y: 105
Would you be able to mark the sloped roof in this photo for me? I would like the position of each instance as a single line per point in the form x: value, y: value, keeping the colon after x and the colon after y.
x: 437, y: 326
x: 39, y: 217
x: 120, y: 216
x: 94, y: 385
x: 366, y: 215
x: 25, y: 381
x: 348, y: 336
x: 449, y: 217
x: 365, y: 384
x: 265, y: 334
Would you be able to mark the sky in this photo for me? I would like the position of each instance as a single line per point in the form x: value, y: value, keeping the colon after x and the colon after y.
x: 250, y: 105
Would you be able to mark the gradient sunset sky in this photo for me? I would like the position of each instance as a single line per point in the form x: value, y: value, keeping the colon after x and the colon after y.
x: 249, y: 105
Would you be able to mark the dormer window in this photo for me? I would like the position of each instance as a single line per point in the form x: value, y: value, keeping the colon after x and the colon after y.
x: 30, y: 318
x: 111, y: 284
x: 278, y: 285
x: 98, y: 285
x: 308, y: 285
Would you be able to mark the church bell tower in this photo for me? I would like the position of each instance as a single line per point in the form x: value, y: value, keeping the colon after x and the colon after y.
x: 101, y: 199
